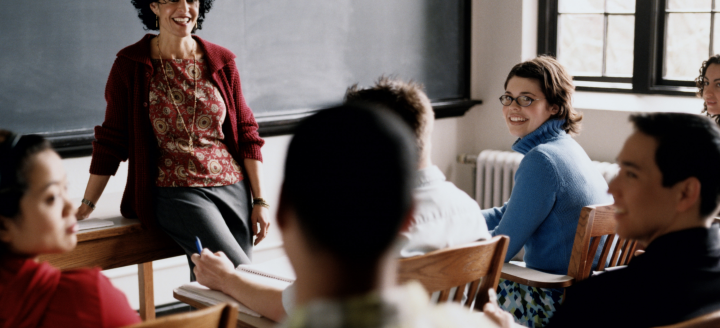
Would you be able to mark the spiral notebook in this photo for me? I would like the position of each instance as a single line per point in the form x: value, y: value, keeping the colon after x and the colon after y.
x: 279, y: 268
x: 277, y: 272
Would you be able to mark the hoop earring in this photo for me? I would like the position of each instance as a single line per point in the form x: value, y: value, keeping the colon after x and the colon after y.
x: 156, y: 21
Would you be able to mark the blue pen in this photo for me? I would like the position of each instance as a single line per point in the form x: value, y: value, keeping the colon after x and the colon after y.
x: 198, y: 244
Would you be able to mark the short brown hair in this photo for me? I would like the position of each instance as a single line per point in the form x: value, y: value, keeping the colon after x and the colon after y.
x: 557, y: 86
x: 700, y: 83
x: 406, y: 99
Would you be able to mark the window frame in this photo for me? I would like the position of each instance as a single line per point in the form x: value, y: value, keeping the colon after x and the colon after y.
x: 648, y: 50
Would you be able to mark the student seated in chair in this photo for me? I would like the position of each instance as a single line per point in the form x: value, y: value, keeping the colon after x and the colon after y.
x: 37, y: 217
x: 666, y: 196
x: 347, y: 192
x: 443, y: 215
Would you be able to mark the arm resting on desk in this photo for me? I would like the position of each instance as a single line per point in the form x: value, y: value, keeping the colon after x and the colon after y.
x: 215, y: 271
x: 93, y: 191
x: 534, y: 278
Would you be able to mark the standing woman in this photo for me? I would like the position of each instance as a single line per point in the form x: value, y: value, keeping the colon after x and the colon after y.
x: 708, y: 84
x: 554, y: 181
x: 36, y: 217
x: 175, y: 109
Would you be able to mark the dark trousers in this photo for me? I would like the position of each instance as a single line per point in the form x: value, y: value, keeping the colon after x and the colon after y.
x: 219, y: 216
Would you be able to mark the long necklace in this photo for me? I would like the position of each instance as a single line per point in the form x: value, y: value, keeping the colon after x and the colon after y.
x: 169, y: 92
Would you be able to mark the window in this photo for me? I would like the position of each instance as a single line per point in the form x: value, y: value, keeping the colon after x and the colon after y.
x: 643, y: 46
x: 595, y: 39
x: 690, y: 37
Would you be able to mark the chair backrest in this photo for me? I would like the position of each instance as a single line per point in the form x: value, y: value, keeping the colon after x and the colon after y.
x: 595, y: 222
x: 478, y: 263
x: 218, y: 316
x: 709, y: 320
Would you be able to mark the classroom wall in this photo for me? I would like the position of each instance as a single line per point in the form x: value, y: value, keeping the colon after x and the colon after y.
x: 504, y: 33
x: 173, y: 272
x: 274, y: 152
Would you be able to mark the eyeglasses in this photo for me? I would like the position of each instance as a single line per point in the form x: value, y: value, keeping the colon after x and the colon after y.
x: 523, y: 101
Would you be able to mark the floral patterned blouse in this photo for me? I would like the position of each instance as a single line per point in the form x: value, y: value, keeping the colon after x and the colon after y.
x: 205, y: 160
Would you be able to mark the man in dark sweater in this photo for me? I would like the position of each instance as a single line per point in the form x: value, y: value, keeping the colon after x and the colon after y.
x: 666, y: 197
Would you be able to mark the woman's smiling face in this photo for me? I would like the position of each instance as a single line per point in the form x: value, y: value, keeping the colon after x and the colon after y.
x: 176, y: 17
x: 711, y: 91
x: 523, y: 120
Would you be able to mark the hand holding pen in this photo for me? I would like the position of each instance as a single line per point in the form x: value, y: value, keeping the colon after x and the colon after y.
x: 198, y: 244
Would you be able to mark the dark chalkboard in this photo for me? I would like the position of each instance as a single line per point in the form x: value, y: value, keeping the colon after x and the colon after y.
x: 294, y: 56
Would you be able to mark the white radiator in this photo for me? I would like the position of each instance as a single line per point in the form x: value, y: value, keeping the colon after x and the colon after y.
x: 495, y: 175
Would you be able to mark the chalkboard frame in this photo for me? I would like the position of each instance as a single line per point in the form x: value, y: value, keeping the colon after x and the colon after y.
x: 78, y: 143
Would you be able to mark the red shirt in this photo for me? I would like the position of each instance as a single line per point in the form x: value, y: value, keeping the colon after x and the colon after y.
x: 206, y: 163
x: 38, y: 295
x: 127, y: 132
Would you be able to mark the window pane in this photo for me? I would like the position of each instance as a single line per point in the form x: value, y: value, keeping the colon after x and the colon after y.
x: 581, y: 6
x: 686, y: 46
x: 704, y: 5
x: 621, y: 6
x: 620, y: 38
x: 580, y: 43
x: 716, y: 35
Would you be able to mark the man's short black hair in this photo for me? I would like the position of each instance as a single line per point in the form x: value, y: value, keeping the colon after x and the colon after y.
x: 688, y: 146
x: 349, y: 175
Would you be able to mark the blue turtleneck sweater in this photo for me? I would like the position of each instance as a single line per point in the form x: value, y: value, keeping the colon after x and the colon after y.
x: 555, y: 180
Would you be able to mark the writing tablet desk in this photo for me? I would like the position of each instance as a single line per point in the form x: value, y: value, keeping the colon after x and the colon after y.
x: 125, y: 243
x: 243, y: 320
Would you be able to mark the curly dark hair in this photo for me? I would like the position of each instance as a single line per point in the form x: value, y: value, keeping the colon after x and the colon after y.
x: 148, y: 17
x: 700, y: 83
x: 557, y: 86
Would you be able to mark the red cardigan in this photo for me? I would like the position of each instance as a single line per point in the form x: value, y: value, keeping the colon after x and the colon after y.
x: 127, y: 132
x: 36, y: 295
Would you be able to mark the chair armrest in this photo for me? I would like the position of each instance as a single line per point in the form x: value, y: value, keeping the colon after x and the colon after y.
x: 534, y: 278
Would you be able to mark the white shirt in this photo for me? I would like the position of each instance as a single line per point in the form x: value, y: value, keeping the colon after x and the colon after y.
x: 445, y: 216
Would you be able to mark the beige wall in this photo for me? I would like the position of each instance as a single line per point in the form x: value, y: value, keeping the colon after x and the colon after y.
x: 504, y: 33
x: 502, y: 39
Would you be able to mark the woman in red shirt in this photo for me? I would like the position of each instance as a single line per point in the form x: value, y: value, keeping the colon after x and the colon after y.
x: 36, y: 217
x: 175, y: 109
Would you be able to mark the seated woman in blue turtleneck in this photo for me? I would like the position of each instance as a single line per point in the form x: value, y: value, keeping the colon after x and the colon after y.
x: 554, y: 181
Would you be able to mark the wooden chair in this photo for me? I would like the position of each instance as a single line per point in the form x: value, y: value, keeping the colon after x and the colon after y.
x: 709, y: 320
x: 218, y: 316
x: 595, y: 222
x: 444, y: 269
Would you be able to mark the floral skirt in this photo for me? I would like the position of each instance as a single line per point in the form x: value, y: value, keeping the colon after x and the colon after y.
x: 531, y: 307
